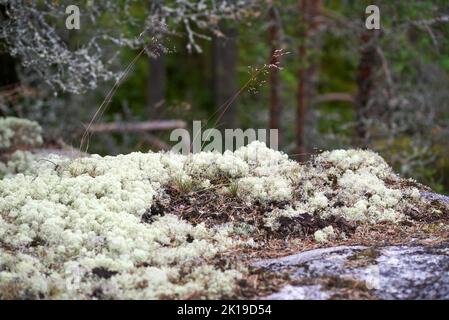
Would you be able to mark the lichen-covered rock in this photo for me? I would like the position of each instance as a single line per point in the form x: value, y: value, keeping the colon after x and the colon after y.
x: 93, y: 227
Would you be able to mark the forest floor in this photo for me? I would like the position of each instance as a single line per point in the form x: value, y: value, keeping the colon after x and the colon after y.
x: 295, y: 236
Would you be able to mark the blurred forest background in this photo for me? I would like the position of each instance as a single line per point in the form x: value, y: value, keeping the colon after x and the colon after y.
x: 309, y: 68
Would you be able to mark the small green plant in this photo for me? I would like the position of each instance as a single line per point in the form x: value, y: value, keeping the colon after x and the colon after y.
x: 233, y: 189
x: 183, y: 185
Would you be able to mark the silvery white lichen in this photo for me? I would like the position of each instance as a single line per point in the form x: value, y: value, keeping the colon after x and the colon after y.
x: 65, y: 219
x: 34, y: 33
x: 22, y: 132
x: 325, y: 234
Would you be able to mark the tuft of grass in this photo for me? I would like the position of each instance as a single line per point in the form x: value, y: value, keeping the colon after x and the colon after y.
x: 183, y: 185
x: 233, y: 189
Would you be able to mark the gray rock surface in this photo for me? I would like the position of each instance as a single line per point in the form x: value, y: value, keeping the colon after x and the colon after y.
x: 391, y: 272
x: 395, y: 272
x: 435, y: 197
x: 311, y: 292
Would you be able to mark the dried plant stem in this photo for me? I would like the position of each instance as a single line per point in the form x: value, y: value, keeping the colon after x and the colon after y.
x: 103, y: 106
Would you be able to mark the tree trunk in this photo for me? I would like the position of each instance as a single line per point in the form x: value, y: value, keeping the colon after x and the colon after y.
x: 309, y: 15
x: 156, y: 85
x: 157, y: 76
x: 365, y: 83
x: 8, y: 73
x: 274, y: 34
x: 224, y: 56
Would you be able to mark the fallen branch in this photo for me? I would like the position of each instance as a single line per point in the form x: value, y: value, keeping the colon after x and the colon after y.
x: 337, y: 96
x: 137, y: 126
x: 13, y: 92
x: 155, y: 141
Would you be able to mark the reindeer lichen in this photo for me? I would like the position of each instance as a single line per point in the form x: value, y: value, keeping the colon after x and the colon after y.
x: 68, y: 218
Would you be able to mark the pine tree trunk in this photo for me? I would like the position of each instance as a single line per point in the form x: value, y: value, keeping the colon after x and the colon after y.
x: 8, y: 73
x: 309, y: 15
x: 157, y: 77
x: 224, y: 56
x: 156, y: 85
x: 275, y: 85
x: 365, y: 83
